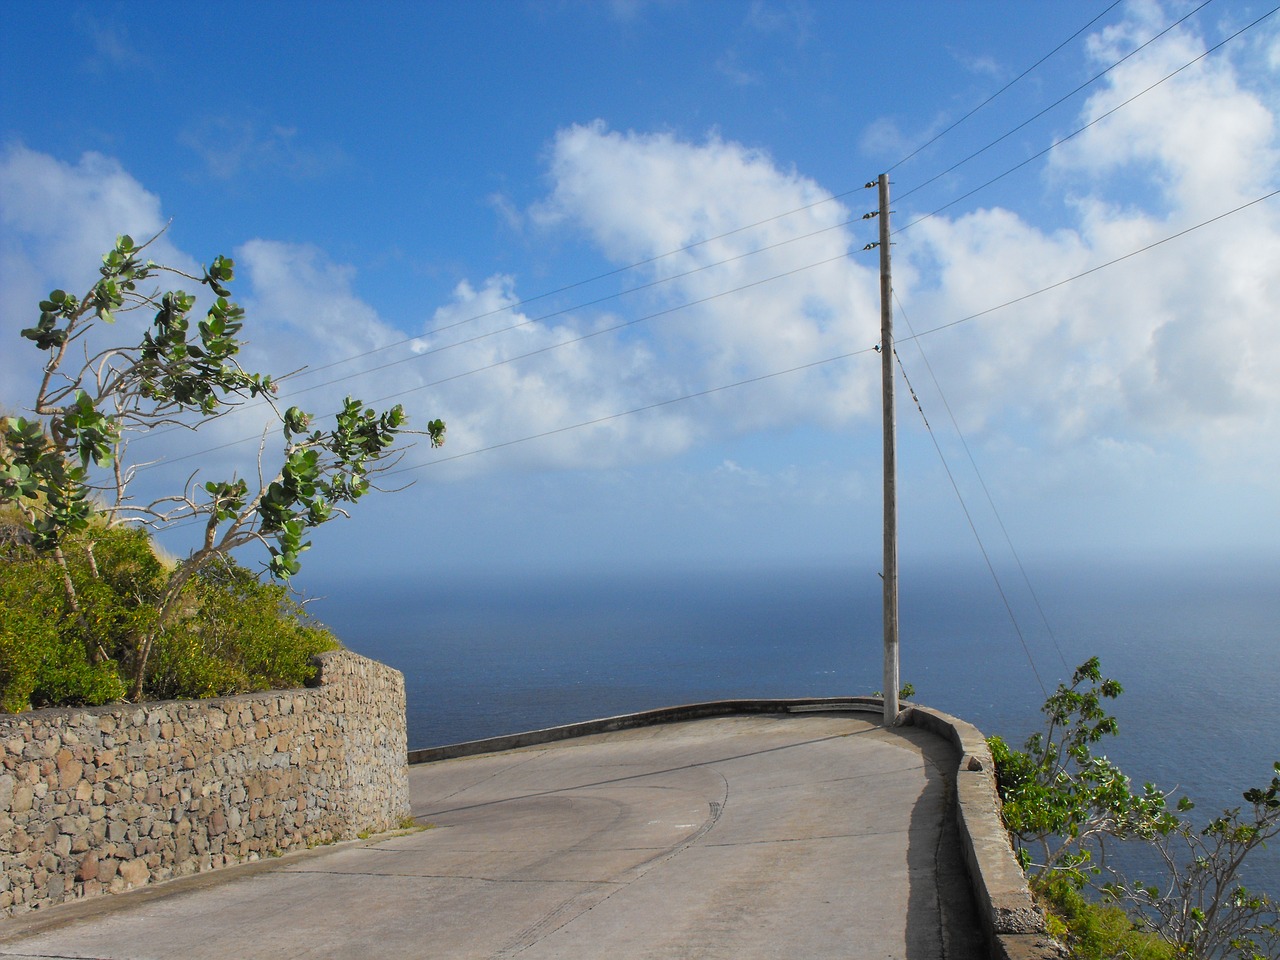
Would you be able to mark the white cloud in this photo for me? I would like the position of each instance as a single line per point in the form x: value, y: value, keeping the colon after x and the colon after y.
x: 58, y: 220
x: 1177, y: 345
x: 1200, y: 136
x: 679, y: 207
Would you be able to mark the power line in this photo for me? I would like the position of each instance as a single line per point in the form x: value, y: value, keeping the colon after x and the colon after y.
x: 541, y: 350
x: 256, y: 405
x: 590, y: 303
x: 913, y: 337
x: 650, y: 260
x: 1026, y: 579
x: 930, y: 142
x: 516, y: 304
x: 982, y: 547
x: 766, y: 280
x: 1101, y: 266
x: 658, y: 257
x: 615, y: 272
x: 767, y: 376
x: 1081, y: 130
x: 833, y: 259
x: 1060, y: 100
x: 626, y: 413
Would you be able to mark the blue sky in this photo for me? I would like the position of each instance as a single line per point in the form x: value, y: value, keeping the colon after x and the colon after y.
x: 396, y: 180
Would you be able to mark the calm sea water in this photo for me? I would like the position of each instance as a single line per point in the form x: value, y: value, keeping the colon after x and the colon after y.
x: 1198, y: 651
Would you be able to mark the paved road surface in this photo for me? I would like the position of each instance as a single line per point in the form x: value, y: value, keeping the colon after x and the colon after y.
x: 798, y: 836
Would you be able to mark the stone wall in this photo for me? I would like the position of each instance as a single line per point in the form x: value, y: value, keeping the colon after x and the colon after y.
x: 100, y: 799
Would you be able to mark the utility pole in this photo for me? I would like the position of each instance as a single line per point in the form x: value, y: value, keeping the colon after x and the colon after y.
x: 890, y: 575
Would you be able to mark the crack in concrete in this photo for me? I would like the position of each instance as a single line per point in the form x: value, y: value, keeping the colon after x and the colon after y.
x: 544, y: 928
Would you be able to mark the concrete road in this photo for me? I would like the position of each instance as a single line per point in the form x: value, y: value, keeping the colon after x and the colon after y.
x: 798, y: 836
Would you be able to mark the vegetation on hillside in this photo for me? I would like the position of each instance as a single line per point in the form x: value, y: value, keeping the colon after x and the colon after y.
x: 1063, y: 804
x: 230, y: 634
x: 90, y: 613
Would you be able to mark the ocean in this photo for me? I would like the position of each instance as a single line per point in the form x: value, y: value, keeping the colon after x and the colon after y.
x: 1196, y: 648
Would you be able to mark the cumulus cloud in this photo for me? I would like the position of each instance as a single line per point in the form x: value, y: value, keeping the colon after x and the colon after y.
x: 58, y: 219
x: 779, y: 295
x: 1176, y: 345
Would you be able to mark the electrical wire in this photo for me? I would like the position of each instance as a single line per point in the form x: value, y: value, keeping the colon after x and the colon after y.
x: 541, y: 350
x: 756, y: 283
x: 1068, y: 96
x: 1017, y: 628
x: 619, y: 270
x: 1080, y: 130
x: 934, y: 139
x: 1101, y: 266
x: 1026, y: 579
x: 259, y: 404
x: 651, y: 284
x: 916, y: 336
x: 626, y: 413
x: 688, y: 247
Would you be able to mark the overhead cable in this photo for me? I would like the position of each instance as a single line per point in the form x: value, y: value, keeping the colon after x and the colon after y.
x: 973, y: 527
x: 938, y: 136
x: 1004, y: 136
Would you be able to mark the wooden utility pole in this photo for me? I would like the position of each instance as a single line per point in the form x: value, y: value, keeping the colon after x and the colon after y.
x: 891, y: 681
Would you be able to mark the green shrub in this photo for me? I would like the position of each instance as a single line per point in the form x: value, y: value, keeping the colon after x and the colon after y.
x: 28, y: 634
x: 230, y: 634
x: 1097, y: 932
x: 67, y: 678
x: 1059, y: 798
x: 42, y: 661
x: 239, y: 635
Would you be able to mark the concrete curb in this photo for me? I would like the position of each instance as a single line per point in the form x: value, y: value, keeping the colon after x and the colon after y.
x: 1013, y: 924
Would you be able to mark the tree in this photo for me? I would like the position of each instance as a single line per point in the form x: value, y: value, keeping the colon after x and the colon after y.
x: 1061, y: 801
x: 67, y: 468
x: 1200, y: 904
x: 1064, y: 803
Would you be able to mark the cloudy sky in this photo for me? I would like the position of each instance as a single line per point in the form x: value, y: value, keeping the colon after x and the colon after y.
x: 618, y: 247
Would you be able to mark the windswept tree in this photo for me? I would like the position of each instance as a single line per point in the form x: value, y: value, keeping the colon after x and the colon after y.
x: 1062, y: 804
x: 67, y: 469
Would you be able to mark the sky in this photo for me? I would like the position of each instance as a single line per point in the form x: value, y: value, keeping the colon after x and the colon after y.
x: 619, y: 249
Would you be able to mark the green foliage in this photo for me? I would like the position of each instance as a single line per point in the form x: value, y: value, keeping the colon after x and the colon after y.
x: 1062, y: 800
x: 230, y: 633
x: 43, y: 661
x: 1094, y: 931
x: 1199, y: 902
x: 239, y: 635
x: 907, y: 691
x: 64, y: 469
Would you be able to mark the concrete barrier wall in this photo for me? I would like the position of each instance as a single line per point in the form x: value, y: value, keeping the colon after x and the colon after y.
x: 101, y: 799
x: 1015, y: 926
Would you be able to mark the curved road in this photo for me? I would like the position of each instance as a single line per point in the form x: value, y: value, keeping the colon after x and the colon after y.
x: 799, y: 836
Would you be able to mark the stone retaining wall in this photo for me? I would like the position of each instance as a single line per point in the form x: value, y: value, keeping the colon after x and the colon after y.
x: 100, y: 799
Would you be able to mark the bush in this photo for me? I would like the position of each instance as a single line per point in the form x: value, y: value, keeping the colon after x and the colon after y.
x: 1093, y: 931
x: 66, y: 469
x: 239, y: 635
x: 230, y: 634
x: 1062, y: 801
x: 42, y: 660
